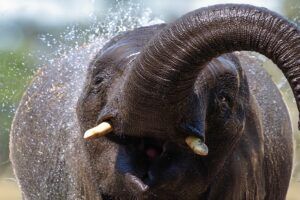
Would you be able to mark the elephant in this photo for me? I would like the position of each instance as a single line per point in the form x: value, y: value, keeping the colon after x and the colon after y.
x: 167, y: 111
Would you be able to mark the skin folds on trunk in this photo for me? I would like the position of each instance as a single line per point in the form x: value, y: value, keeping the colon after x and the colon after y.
x: 146, y: 89
x: 164, y: 73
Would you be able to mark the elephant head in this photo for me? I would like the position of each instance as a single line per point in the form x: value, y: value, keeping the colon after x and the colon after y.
x: 164, y: 92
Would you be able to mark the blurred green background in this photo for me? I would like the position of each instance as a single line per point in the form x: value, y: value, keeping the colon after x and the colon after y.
x: 32, y: 32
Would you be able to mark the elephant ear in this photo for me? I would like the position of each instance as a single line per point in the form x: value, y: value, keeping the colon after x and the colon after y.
x: 164, y: 74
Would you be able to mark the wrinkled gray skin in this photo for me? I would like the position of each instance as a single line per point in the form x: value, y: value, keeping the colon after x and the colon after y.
x: 157, y: 85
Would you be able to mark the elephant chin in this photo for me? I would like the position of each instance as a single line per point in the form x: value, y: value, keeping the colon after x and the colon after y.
x: 135, y: 184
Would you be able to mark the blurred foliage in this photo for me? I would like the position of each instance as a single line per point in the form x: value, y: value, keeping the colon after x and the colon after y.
x: 291, y: 8
x: 16, y: 69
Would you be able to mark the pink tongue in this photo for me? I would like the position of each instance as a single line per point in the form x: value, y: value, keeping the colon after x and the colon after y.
x: 151, y: 153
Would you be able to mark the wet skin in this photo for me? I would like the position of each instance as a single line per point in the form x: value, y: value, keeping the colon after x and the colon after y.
x: 156, y: 86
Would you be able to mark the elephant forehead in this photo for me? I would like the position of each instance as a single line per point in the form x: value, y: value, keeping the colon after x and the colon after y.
x: 227, y: 67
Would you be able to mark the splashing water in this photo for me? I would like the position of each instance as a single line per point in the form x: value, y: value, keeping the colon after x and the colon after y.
x: 78, y: 46
x: 123, y: 17
x: 72, y: 45
x: 65, y: 48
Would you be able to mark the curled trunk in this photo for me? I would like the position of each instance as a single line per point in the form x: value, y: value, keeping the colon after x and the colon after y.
x: 163, y: 75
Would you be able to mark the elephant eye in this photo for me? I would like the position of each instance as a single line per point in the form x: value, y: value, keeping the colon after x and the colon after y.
x: 98, y: 80
x: 224, y: 101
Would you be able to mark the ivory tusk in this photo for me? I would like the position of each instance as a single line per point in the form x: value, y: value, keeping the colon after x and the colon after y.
x: 100, y: 130
x: 197, y: 145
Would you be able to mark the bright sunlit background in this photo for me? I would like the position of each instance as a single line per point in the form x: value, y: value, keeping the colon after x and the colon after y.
x: 34, y: 31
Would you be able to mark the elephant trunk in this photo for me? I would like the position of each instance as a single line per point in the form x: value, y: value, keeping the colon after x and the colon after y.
x: 163, y: 75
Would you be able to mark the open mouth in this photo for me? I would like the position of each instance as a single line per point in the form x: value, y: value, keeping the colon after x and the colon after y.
x: 148, y: 162
x: 142, y: 159
x: 151, y: 148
